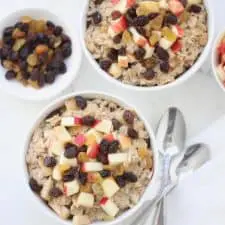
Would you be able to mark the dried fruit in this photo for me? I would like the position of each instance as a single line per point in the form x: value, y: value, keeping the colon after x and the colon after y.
x: 140, y: 53
x: 149, y: 74
x: 26, y: 19
x: 17, y: 33
x: 81, y: 102
x: 10, y: 75
x: 162, y: 54
x: 82, y: 157
x: 154, y: 39
x: 195, y: 8
x: 50, y: 161
x: 19, y: 43
x: 156, y: 24
x: 40, y: 49
x: 128, y: 116
x: 171, y: 19
x: 126, y: 37
x: 164, y: 66
x: 105, y: 64
x: 169, y: 34
x: 140, y: 21
x: 97, y: 18
x: 147, y: 7
x: 32, y: 60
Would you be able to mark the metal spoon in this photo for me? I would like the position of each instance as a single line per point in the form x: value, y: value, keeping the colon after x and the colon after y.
x: 170, y: 138
x: 194, y: 158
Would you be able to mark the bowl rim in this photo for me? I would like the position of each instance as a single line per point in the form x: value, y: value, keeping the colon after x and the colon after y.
x: 181, y: 79
x: 54, y: 105
x: 72, y: 72
x: 214, y: 63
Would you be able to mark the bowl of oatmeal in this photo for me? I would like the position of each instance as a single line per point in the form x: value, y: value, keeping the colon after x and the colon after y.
x: 40, y: 54
x: 218, y: 59
x: 90, y: 158
x: 147, y: 45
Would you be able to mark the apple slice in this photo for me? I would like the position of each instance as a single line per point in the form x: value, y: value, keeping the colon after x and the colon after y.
x: 79, y: 140
x: 163, y: 4
x: 109, y: 206
x: 110, y: 187
x: 67, y: 162
x: 177, y: 46
x: 71, y: 188
x: 146, y: 7
x: 81, y: 220
x: 114, y: 2
x: 62, y: 134
x: 71, y: 121
x: 165, y: 44
x: 85, y: 199
x: 148, y: 51
x: 138, y: 39
x: 109, y: 137
x: 93, y: 151
x: 123, y: 61
x: 56, y: 148
x: 119, y: 25
x: 92, y: 167
x: 125, y: 142
x: 123, y: 5
x: 115, y: 70
x: 56, y: 173
x: 178, y: 31
x: 176, y: 7
x: 92, y: 136
x: 104, y: 126
x: 117, y: 158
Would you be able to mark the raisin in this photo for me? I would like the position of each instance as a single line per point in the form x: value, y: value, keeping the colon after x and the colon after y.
x: 141, y: 31
x: 105, y: 173
x: 82, y: 178
x: 70, y: 174
x: 35, y: 75
x: 8, y: 31
x: 116, y: 15
x: 113, y: 146
x: 50, y: 161
x: 140, y: 21
x: 104, y: 146
x: 34, y: 185
x: 105, y: 64
x: 24, y: 27
x: 50, y: 25
x: 120, y: 180
x: 131, y: 12
x: 132, y: 133
x: 62, y: 68
x: 25, y: 75
x: 66, y: 50
x: 152, y: 16
x: 49, y: 77
x: 71, y: 151
x: 98, y: 2
x: 116, y: 124
x: 122, y: 51
x: 117, y: 39
x: 24, y: 52
x: 5, y: 51
x: 149, y: 74
x: 112, y: 54
x: 88, y: 121
x: 10, y: 75
x: 162, y: 53
x: 164, y: 66
x: 131, y: 177
x: 140, y: 53
x: 81, y: 102
x: 14, y: 56
x: 195, y: 8
x: 103, y: 158
x: 9, y: 41
x: 58, y: 30
x: 23, y: 65
x: 148, y: 141
x: 128, y: 116
x: 55, y: 192
x: 41, y: 80
x: 171, y: 19
x: 66, y: 39
x: 83, y: 148
x: 97, y: 18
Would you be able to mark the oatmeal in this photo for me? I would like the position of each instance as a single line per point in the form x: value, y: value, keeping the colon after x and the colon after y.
x: 146, y: 43
x: 90, y: 160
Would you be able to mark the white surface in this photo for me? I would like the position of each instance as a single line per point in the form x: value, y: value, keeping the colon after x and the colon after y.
x: 200, y: 98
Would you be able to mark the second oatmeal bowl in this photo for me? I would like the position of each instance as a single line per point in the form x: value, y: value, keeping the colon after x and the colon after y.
x: 147, y: 45
x: 90, y: 158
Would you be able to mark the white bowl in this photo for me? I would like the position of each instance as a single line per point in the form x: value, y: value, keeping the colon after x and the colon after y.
x: 214, y: 59
x: 189, y: 73
x: 152, y: 188
x: 63, y: 81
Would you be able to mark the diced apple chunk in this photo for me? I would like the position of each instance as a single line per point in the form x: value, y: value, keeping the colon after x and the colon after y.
x: 92, y: 167
x: 92, y: 136
x: 86, y: 200
x: 81, y: 220
x: 110, y: 187
x: 109, y: 207
x: 115, y: 70
x: 117, y: 158
x: 165, y: 44
x: 124, y: 5
x: 125, y: 142
x: 57, y: 148
x: 138, y: 39
x: 148, y: 51
x: 68, y: 162
x: 104, y: 126
x: 93, y: 151
x: 56, y: 173
x: 123, y: 61
x: 71, y: 188
x: 62, y: 134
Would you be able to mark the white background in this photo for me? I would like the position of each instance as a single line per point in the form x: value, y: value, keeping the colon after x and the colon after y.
x: 199, y: 98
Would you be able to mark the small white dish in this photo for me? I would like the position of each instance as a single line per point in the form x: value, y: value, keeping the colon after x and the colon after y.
x: 152, y: 188
x: 63, y: 81
x: 189, y: 73
x: 214, y: 61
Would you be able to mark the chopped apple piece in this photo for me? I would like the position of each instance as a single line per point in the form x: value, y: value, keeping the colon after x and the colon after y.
x: 176, y: 7
x: 81, y: 220
x: 138, y: 39
x: 147, y: 7
x: 123, y: 5
x: 115, y: 70
x: 57, y: 148
x: 56, y: 173
x: 86, y: 200
x: 123, y: 61
x: 93, y: 151
x: 71, y: 188
x: 67, y: 162
x: 93, y: 136
x: 62, y: 134
x: 178, y: 31
x: 92, y: 167
x: 109, y: 206
x: 148, y: 51
x: 118, y: 25
x: 125, y: 142
x: 163, y: 4
x: 71, y: 121
x: 79, y: 140
x: 110, y: 187
x: 117, y: 158
x: 104, y: 126
x: 165, y: 44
